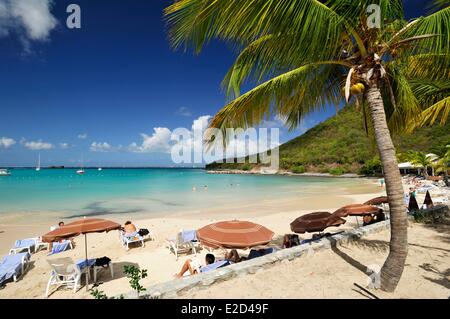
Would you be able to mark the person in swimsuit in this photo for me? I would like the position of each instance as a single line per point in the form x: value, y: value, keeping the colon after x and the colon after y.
x: 129, y: 229
x: 193, y: 265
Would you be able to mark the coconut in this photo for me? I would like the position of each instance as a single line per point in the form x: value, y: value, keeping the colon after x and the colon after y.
x: 357, y: 88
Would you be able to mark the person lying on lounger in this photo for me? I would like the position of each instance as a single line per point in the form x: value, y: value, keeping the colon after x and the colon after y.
x: 194, y: 267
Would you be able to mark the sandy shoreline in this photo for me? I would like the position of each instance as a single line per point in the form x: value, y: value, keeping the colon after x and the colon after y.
x: 155, y: 257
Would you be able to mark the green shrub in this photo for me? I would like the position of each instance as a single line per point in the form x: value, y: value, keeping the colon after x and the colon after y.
x: 371, y: 167
x: 298, y: 169
x: 246, y: 167
x: 336, y: 171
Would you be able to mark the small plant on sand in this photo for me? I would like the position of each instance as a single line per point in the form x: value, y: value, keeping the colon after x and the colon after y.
x: 135, y: 274
x: 98, y: 294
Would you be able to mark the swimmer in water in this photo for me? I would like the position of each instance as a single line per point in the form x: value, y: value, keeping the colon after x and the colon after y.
x: 206, y: 187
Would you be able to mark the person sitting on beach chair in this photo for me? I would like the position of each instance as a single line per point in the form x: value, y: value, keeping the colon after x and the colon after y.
x: 372, y: 219
x: 129, y: 229
x: 129, y: 234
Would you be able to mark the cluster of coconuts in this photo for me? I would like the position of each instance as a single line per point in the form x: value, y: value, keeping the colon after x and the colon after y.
x: 355, y: 89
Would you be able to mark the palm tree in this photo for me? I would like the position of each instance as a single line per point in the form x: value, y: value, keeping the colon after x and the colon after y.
x: 443, y: 165
x: 420, y: 159
x: 301, y: 53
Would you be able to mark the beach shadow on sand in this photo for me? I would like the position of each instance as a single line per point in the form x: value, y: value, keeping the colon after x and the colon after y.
x: 443, y: 276
x: 350, y: 260
x: 102, y: 277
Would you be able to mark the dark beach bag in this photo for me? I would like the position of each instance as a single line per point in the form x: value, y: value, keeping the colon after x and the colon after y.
x: 143, y: 232
x: 102, y: 262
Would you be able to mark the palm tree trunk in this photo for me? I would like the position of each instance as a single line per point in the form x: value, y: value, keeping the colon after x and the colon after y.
x: 398, y: 247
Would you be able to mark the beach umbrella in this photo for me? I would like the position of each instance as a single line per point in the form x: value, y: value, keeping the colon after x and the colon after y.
x: 357, y: 210
x: 81, y: 227
x: 412, y: 206
x: 234, y: 234
x: 428, y: 201
x: 315, y: 222
x: 377, y: 201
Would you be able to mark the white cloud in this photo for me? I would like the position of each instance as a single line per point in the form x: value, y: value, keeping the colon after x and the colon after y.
x: 277, y: 121
x: 36, y: 145
x: 192, y: 140
x: 101, y: 147
x: 29, y: 19
x: 82, y: 136
x: 6, y: 142
x: 184, y: 111
x: 159, y: 141
x: 64, y: 146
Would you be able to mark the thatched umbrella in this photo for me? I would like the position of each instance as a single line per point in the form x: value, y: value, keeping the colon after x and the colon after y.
x: 412, y: 206
x: 428, y: 201
x: 315, y: 222
x: 357, y: 210
x: 81, y: 227
x: 377, y: 201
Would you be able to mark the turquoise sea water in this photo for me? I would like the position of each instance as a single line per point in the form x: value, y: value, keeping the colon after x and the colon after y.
x: 145, y: 191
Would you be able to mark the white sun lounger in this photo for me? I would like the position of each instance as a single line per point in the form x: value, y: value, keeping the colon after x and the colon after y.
x: 13, y: 266
x: 134, y: 238
x: 28, y: 244
x: 65, y: 273
x: 180, y: 245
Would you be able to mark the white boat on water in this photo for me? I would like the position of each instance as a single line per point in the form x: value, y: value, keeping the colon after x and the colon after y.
x: 100, y: 168
x: 4, y: 172
x: 81, y: 170
x: 38, y: 167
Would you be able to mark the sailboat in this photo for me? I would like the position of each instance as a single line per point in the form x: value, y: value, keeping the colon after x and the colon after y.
x: 4, y: 172
x: 81, y: 170
x: 38, y: 168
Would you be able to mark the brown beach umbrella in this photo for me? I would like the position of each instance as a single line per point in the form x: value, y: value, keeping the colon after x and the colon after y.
x: 315, y: 222
x: 356, y: 210
x: 428, y: 201
x: 234, y: 234
x: 81, y: 227
x: 377, y: 201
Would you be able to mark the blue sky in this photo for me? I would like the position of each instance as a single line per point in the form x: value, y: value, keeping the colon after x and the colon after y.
x: 92, y: 92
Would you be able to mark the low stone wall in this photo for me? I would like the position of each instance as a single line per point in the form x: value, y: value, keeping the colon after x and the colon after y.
x: 171, y: 289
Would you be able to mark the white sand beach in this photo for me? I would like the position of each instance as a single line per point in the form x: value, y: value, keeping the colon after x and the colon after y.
x: 313, y: 282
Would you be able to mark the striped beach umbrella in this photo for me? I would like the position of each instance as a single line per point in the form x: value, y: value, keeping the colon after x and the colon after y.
x: 234, y: 234
x: 82, y: 226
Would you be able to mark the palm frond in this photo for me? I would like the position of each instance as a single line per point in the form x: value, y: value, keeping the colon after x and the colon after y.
x: 290, y: 96
x: 427, y: 66
x: 405, y: 108
x: 193, y: 23
x: 437, y: 23
x: 441, y: 108
x: 267, y: 57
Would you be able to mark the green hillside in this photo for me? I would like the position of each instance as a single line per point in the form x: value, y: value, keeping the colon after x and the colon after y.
x: 341, y: 145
